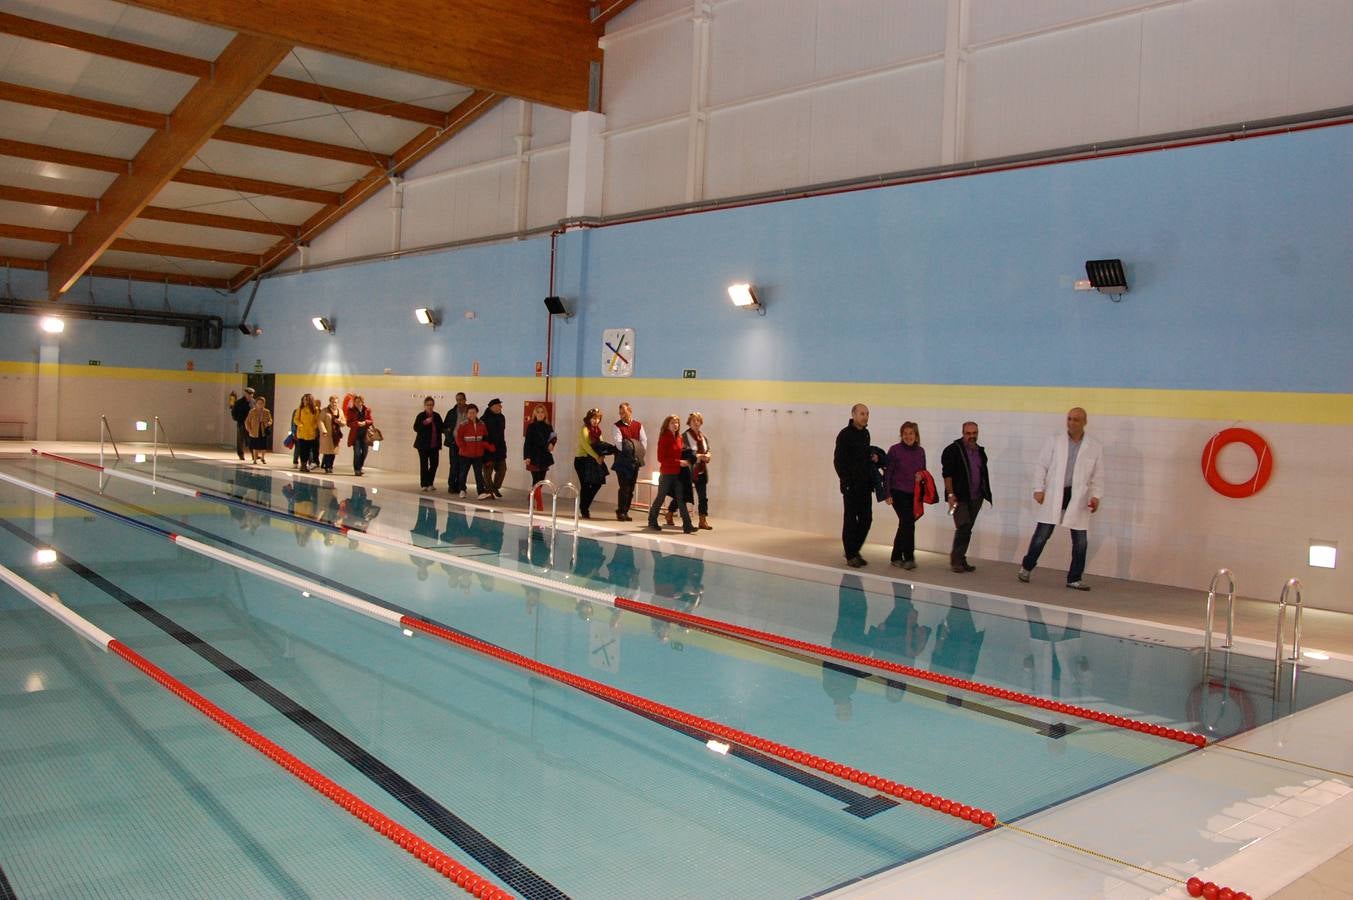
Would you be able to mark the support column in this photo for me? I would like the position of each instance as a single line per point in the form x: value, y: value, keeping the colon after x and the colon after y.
x: 698, y: 125
x: 955, y: 86
x: 524, y: 134
x: 586, y: 150
x: 396, y: 213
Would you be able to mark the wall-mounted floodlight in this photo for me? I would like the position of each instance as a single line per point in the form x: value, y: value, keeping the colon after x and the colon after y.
x: 322, y: 324
x: 744, y: 297
x: 52, y: 324
x: 142, y: 425
x: 555, y: 306
x: 427, y: 317
x: 1107, y: 276
x: 1323, y: 554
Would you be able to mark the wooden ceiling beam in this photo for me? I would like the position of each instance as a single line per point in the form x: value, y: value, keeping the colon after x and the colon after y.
x: 29, y: 233
x: 40, y: 265
x: 244, y: 63
x: 299, y: 146
x: 250, y: 186
x: 63, y: 157
x: 212, y: 220
x: 112, y: 112
x: 465, y: 113
x: 184, y: 251
x: 539, y: 51
x: 47, y: 198
x: 201, y: 68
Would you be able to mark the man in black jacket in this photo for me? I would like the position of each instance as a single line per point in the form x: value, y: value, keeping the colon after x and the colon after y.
x: 967, y: 482
x: 854, y: 464
x: 239, y: 412
x: 495, y: 458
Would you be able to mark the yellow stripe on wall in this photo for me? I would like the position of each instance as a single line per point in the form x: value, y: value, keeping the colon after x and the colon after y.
x: 119, y: 373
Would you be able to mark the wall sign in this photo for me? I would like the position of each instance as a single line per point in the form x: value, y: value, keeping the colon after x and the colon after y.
x: 687, y: 373
x: 617, y: 352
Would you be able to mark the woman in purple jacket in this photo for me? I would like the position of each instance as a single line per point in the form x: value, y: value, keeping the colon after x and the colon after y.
x: 906, y: 462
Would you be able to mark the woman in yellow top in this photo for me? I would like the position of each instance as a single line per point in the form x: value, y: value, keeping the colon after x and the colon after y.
x: 307, y: 432
x: 257, y: 424
x: 587, y: 462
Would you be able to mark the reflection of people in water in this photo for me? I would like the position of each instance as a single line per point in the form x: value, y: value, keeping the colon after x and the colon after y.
x: 423, y: 534
x: 622, y: 572
x: 678, y: 580
x: 588, y: 561
x: 358, y: 510
x: 457, y: 534
x: 840, y: 681
x: 900, y: 637
x: 1056, y: 654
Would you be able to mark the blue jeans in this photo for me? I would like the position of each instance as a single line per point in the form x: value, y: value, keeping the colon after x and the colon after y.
x: 359, y: 450
x: 1079, y: 543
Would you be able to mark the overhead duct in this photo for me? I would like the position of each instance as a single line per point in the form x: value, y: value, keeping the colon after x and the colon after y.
x: 200, y: 332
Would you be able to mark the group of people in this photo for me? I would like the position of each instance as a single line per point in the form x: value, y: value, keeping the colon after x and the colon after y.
x: 1067, y: 487
x: 474, y: 443
x: 316, y: 432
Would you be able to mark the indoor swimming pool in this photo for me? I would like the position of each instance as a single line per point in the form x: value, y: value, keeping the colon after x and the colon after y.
x: 112, y: 786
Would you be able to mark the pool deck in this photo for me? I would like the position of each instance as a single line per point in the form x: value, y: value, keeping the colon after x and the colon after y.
x: 1311, y: 857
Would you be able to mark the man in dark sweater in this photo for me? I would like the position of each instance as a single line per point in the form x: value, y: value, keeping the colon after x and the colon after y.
x: 495, y: 456
x: 855, y: 463
x: 967, y: 483
x: 239, y: 412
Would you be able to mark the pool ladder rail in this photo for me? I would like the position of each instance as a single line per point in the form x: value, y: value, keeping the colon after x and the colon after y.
x: 554, y: 491
x: 1292, y: 587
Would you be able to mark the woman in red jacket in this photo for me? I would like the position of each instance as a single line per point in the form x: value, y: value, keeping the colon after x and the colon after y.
x: 670, y: 465
x: 359, y: 420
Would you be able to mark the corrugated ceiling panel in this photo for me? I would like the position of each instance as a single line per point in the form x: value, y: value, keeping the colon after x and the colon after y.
x: 65, y: 71
x: 126, y: 23
x: 39, y: 216
x: 492, y: 136
x: 229, y: 203
x: 43, y: 176
x: 273, y: 165
x: 349, y: 74
x: 320, y: 122
x: 25, y: 249
x: 148, y: 263
x: 197, y: 236
x: 647, y: 11
x: 71, y: 132
x: 993, y: 19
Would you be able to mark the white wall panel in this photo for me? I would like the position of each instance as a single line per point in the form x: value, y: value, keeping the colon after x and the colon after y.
x: 548, y: 189
x: 647, y: 11
x: 491, y: 136
x: 890, y: 122
x: 867, y: 34
x: 469, y: 204
x: 549, y: 126
x: 759, y: 147
x: 761, y: 46
x: 648, y: 74
x: 990, y: 20
x: 1054, y: 90
x: 645, y: 168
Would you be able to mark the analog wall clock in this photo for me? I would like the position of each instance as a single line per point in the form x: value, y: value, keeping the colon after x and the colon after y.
x: 617, y: 352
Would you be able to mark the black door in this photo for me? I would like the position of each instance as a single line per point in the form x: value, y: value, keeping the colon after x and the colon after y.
x: 265, y: 386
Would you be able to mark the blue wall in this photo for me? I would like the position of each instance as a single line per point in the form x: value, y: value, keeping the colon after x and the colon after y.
x: 117, y: 343
x: 1238, y: 258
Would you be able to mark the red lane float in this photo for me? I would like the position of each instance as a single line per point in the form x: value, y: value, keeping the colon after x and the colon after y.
x: 963, y: 811
x: 1212, y: 891
x: 1263, y: 463
x: 728, y: 629
x: 66, y: 459
x: 407, y: 840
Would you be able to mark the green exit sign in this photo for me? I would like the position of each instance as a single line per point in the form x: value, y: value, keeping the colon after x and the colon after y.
x: 687, y: 373
x: 96, y: 362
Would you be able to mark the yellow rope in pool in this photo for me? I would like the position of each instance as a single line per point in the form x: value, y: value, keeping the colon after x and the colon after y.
x: 1095, y: 853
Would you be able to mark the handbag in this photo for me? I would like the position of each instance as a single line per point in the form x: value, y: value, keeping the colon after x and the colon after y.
x: 289, y: 441
x: 373, y: 434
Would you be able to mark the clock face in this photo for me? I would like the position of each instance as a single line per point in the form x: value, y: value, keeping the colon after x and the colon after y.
x: 617, y: 352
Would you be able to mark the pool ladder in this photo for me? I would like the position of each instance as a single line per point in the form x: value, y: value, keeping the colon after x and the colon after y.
x: 554, y: 492
x: 1292, y: 587
x: 157, y: 434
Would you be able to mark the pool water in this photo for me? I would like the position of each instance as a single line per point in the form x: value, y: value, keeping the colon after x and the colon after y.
x: 110, y: 785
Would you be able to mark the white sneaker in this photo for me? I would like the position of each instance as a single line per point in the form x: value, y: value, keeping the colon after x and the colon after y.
x: 462, y: 495
x: 486, y: 496
x: 1078, y: 585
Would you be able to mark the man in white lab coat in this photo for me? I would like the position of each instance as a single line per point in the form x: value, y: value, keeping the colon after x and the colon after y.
x: 1070, y: 469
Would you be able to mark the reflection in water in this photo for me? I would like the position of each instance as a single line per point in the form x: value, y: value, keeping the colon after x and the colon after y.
x: 1056, y: 665
x: 841, y: 681
x: 423, y: 534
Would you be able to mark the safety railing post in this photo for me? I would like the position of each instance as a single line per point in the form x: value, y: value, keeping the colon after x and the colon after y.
x: 1209, y: 614
x: 1292, y: 586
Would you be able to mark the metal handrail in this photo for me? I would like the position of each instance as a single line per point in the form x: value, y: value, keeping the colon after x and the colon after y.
x: 159, y: 426
x: 1211, y: 611
x: 157, y: 430
x: 1293, y: 585
x: 531, y: 500
x: 105, y: 428
x: 554, y: 491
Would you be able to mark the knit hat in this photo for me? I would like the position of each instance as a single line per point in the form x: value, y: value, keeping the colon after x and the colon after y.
x: 494, y: 401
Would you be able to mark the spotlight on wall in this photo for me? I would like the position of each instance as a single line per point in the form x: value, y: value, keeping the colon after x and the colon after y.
x: 250, y: 330
x: 1323, y: 554
x: 1107, y: 276
x: 322, y: 324
x: 427, y: 317
x: 142, y: 425
x: 744, y: 297
x: 52, y: 324
x: 555, y: 306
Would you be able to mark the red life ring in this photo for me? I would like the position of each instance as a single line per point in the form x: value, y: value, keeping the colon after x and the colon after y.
x: 1262, y: 472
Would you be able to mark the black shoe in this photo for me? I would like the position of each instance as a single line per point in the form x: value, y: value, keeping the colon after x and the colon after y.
x: 968, y: 568
x: 653, y: 526
x: 690, y: 529
x: 585, y: 515
x: 856, y: 562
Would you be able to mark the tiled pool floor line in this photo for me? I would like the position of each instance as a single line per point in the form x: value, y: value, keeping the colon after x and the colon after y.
x: 1265, y: 826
